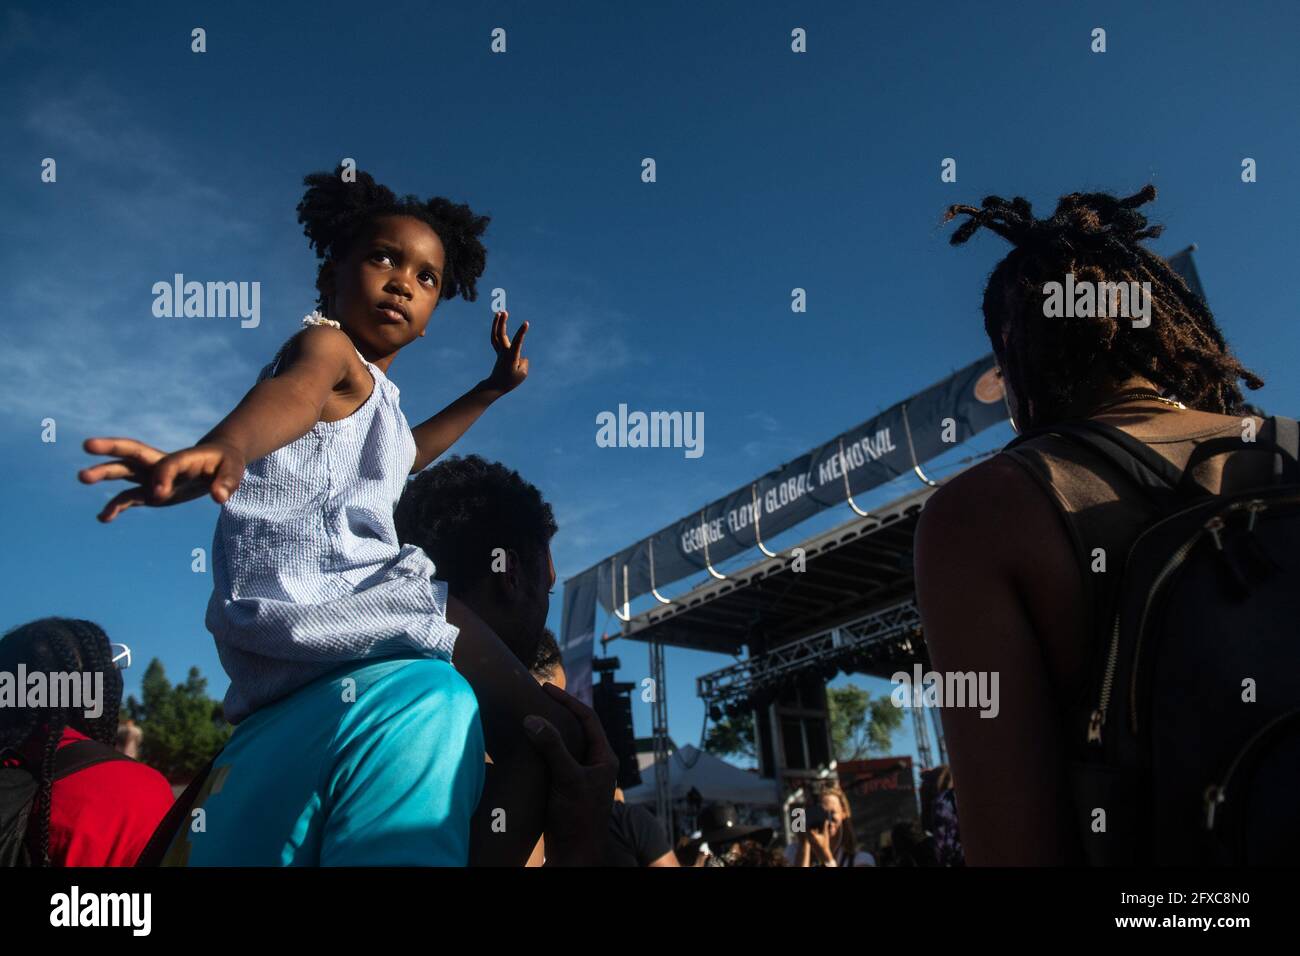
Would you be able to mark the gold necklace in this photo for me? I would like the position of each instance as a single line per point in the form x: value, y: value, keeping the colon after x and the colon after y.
x: 1171, y: 401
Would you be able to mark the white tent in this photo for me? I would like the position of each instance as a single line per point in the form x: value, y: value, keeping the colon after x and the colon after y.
x: 714, y: 778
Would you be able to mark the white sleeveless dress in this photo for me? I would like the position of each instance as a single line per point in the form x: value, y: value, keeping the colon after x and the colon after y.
x: 308, y: 573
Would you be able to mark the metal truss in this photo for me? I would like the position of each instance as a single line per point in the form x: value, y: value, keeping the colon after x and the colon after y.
x: 659, y: 731
x: 896, y: 627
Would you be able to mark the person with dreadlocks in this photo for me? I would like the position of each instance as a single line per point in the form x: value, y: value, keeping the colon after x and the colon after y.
x: 309, y: 576
x: 1004, y: 550
x: 92, y: 806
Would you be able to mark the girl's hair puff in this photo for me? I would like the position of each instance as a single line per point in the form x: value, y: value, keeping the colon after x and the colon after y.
x: 334, y: 213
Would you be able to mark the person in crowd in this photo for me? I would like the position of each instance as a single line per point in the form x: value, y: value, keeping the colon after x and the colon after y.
x: 911, y: 845
x: 636, y: 838
x: 84, y: 803
x: 308, y: 574
x: 489, y: 531
x: 752, y: 853
x: 578, y: 802
x: 444, y: 509
x: 834, y: 842
x: 129, y: 738
x: 687, y: 850
x: 724, y: 841
x: 383, y: 725
x: 885, y: 849
x: 939, y: 814
x: 389, y: 770
x: 997, y: 544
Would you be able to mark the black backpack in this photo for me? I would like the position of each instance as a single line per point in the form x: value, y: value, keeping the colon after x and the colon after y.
x: 1184, y: 767
x: 18, y: 792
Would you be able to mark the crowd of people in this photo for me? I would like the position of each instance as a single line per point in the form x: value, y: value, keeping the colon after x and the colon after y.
x: 108, y: 810
x: 824, y: 835
x: 396, y: 697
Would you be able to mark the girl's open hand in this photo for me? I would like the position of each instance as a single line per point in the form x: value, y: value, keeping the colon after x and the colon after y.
x: 511, y: 367
x: 163, y: 479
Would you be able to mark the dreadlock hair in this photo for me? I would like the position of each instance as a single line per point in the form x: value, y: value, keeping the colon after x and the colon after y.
x: 461, y: 509
x: 1057, y: 363
x: 335, y: 214
x: 49, y: 645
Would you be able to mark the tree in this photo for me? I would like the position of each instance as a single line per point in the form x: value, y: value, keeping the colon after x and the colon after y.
x: 182, y: 726
x: 860, y: 726
x: 732, y: 736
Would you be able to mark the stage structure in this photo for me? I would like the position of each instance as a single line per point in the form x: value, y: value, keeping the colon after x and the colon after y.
x: 842, y: 600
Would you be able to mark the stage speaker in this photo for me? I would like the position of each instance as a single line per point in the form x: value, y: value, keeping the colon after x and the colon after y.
x: 612, y: 702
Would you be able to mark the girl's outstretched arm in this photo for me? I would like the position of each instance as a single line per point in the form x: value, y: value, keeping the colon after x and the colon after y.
x: 275, y: 412
x: 435, y: 436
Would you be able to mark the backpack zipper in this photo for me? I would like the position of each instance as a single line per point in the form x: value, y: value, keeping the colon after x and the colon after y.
x: 1216, y: 794
x: 1112, y: 656
x: 1213, y: 526
x: 1099, y: 715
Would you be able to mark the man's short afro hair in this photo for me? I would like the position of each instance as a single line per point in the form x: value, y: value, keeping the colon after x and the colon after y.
x: 461, y: 509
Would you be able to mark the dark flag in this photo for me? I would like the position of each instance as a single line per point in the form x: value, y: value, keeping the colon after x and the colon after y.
x: 1185, y: 266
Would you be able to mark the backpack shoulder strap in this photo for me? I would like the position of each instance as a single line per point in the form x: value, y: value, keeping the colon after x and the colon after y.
x: 1278, y: 437
x: 81, y: 754
x: 1145, y: 467
x: 1286, y: 434
x: 1155, y: 474
x: 68, y: 760
x: 156, y: 849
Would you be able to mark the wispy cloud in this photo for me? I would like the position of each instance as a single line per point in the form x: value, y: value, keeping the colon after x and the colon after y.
x: 579, y: 343
x: 91, y: 382
x: 21, y: 31
x: 79, y: 343
x: 142, y: 183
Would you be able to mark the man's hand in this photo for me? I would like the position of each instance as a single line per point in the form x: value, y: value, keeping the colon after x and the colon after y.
x: 578, y: 804
x: 511, y: 367
x: 210, y: 468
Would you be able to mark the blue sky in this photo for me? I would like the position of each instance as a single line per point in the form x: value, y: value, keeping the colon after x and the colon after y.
x: 775, y: 171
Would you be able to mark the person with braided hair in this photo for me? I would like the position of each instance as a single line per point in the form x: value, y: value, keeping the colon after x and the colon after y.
x: 1006, y: 552
x: 103, y: 813
x: 309, y: 577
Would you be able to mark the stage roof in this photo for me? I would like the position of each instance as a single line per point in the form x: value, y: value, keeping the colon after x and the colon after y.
x: 851, y: 570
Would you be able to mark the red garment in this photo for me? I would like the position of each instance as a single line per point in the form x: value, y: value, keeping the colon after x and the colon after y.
x: 104, y: 815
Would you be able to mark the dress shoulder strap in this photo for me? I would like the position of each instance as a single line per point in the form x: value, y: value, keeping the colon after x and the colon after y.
x: 315, y: 318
